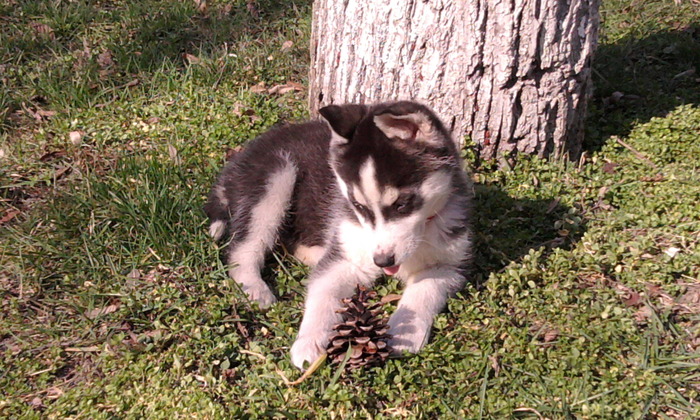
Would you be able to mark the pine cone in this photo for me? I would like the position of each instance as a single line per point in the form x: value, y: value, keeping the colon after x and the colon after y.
x: 363, y: 330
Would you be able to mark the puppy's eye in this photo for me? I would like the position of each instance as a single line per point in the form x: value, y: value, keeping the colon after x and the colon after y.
x: 362, y: 209
x: 403, y: 204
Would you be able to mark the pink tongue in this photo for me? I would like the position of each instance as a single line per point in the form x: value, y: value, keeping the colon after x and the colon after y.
x: 390, y: 271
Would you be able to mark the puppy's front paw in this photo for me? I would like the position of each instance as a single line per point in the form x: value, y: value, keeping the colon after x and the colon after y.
x: 307, y: 349
x: 261, y: 294
x: 407, y: 333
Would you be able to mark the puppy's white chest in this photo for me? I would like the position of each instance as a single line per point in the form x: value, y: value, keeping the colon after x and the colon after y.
x: 354, y: 242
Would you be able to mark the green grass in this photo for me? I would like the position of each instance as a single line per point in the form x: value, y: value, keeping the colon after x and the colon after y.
x: 114, y: 303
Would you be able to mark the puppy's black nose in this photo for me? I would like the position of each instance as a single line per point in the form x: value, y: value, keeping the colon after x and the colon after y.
x: 384, y: 260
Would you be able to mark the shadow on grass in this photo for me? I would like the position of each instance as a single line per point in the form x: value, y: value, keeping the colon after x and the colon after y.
x: 507, y: 228
x: 637, y: 79
x: 166, y: 33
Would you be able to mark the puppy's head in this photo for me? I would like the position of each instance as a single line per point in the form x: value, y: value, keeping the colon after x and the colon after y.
x: 394, y: 163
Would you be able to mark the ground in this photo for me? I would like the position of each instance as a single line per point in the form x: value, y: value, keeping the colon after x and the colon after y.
x: 115, y: 117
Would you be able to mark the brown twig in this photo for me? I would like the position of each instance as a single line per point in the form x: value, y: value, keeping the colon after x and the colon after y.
x: 637, y: 153
x: 529, y: 410
x: 314, y: 366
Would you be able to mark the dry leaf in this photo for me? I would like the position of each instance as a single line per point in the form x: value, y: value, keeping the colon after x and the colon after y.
x: 259, y: 88
x: 153, y: 333
x: 390, y: 298
x: 43, y: 114
x: 642, y: 315
x: 42, y: 30
x: 54, y: 393
x: 691, y: 296
x: 615, y: 97
x: 9, y: 215
x: 190, y: 59
x: 553, y: 205
x: 253, y: 8
x: 172, y: 152
x: 133, y: 83
x: 87, y: 51
x: 279, y: 89
x: 550, y: 335
x: 52, y: 155
x: 610, y: 167
x: 105, y: 59
x: 628, y: 296
x: 39, y: 114
x: 654, y: 178
x: 654, y: 290
x: 229, y: 374
x: 94, y: 313
x: 634, y: 299
x: 237, y: 109
x: 285, y: 88
x: 287, y: 45
x: 61, y: 172
x: 689, y: 302
x: 296, y: 85
x: 494, y: 364
x: 76, y: 137
x: 201, y: 5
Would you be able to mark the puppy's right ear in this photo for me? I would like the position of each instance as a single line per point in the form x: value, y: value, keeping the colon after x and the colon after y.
x: 343, y: 119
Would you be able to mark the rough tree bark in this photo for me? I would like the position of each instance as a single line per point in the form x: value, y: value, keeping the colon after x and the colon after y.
x: 514, y: 76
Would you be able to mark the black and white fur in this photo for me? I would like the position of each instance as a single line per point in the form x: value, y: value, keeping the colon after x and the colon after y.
x: 370, y: 189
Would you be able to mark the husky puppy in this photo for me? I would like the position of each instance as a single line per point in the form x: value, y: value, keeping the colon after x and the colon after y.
x: 370, y: 190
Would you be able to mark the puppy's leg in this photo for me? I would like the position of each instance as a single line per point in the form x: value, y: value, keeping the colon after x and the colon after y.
x: 424, y: 297
x: 247, y: 255
x: 309, y: 255
x: 327, y: 286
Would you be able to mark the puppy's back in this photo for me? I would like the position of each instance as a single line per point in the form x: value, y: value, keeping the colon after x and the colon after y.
x: 243, y: 180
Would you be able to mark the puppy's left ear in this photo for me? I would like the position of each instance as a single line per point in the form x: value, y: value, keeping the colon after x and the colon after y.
x: 413, y: 127
x: 343, y: 119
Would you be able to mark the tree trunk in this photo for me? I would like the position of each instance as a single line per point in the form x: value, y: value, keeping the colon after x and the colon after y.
x: 512, y: 76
